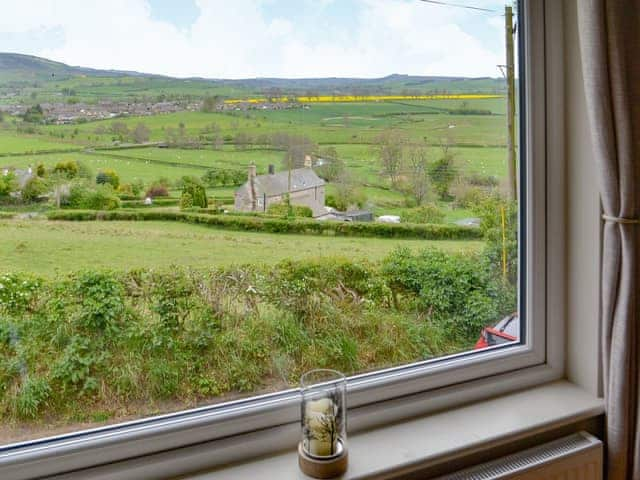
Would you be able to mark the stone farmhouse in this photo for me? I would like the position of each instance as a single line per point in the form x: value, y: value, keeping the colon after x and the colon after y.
x: 260, y: 191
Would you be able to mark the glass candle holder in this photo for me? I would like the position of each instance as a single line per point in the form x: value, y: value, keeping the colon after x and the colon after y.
x: 324, y: 410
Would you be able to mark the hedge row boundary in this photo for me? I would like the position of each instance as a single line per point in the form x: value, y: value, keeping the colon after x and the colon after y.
x: 272, y: 225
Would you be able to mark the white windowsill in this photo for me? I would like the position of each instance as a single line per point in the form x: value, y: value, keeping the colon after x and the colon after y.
x: 430, y: 439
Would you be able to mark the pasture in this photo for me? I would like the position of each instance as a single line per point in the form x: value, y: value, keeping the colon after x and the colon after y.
x: 53, y: 248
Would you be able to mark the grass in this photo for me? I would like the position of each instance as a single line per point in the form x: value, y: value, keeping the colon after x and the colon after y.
x: 51, y: 248
x: 13, y: 143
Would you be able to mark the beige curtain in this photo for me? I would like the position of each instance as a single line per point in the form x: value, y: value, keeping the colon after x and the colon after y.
x: 610, y: 47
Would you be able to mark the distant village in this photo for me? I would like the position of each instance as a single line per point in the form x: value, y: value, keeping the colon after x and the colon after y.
x: 62, y: 113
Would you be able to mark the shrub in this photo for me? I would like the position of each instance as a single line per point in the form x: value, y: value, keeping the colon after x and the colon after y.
x: 194, y: 188
x: 282, y: 210
x: 468, y: 196
x: 8, y: 184
x: 428, y: 213
x: 34, y: 188
x: 67, y: 169
x: 98, y: 198
x: 186, y: 201
x: 109, y: 177
x: 157, y: 190
x: 453, y: 290
x: 481, y: 180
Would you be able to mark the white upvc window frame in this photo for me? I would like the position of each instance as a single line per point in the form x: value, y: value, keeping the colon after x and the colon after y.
x: 400, y: 392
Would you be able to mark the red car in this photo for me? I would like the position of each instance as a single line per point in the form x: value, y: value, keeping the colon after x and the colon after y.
x: 505, y: 331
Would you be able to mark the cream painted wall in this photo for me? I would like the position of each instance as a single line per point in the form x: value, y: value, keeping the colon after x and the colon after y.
x: 583, y: 224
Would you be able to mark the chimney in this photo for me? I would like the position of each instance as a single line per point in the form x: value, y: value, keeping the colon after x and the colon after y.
x: 252, y: 186
x: 308, y: 163
x: 272, y: 169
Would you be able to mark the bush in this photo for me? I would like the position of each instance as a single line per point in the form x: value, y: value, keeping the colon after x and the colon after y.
x: 186, y: 201
x: 282, y: 210
x: 453, y: 290
x: 109, y: 177
x: 33, y: 189
x: 467, y: 196
x: 157, y: 190
x: 429, y: 213
x: 99, y: 198
x: 68, y: 169
x: 194, y: 188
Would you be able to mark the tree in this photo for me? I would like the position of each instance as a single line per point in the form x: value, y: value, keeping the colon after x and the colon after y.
x: 141, y: 133
x: 119, y: 129
x: 389, y: 147
x: 418, y: 176
x: 34, y: 114
x: 193, y: 187
x: 330, y: 166
x: 109, y: 177
x: 347, y: 194
x: 443, y: 172
x: 211, y: 103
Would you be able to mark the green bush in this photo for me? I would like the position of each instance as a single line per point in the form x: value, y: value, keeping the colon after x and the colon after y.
x: 108, y: 177
x: 33, y: 189
x: 456, y: 291
x: 186, y: 201
x: 68, y: 169
x: 429, y: 213
x: 282, y: 210
x: 194, y: 188
x: 99, y: 198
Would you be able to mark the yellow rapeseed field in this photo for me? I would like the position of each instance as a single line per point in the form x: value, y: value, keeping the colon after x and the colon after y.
x: 362, y: 98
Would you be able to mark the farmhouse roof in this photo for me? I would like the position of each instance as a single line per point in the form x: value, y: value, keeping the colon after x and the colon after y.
x: 278, y: 183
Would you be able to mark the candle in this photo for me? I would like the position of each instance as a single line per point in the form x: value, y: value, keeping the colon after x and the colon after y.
x: 321, y: 421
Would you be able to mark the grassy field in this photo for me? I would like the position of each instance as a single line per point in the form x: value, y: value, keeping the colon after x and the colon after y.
x: 50, y: 248
x: 13, y: 143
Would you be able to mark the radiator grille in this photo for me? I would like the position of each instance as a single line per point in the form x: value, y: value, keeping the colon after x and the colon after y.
x: 576, y: 457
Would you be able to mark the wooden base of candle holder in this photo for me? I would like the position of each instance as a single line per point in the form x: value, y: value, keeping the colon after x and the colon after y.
x: 321, y: 468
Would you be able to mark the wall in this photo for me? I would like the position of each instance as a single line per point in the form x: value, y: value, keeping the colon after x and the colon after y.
x: 583, y: 221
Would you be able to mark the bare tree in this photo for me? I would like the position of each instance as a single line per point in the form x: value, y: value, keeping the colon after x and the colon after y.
x: 141, y: 133
x: 389, y: 148
x: 418, y: 173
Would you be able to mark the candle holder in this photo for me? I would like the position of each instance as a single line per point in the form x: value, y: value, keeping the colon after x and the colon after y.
x: 322, y: 452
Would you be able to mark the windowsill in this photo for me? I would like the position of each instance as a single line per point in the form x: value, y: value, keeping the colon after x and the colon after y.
x: 432, y: 439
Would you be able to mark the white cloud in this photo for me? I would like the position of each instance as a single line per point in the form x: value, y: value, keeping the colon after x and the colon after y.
x: 236, y: 40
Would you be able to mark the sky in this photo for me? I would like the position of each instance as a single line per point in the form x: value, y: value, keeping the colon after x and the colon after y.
x: 260, y: 38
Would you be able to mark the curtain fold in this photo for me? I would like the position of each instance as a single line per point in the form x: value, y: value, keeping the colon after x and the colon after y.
x: 610, y: 48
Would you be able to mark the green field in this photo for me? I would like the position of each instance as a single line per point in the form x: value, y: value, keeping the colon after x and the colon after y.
x: 11, y: 142
x: 50, y: 248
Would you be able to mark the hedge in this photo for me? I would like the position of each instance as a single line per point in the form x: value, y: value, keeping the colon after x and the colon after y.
x: 157, y: 202
x: 273, y: 225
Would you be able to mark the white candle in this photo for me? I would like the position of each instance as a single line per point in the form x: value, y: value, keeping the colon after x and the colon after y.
x: 319, y: 415
x: 320, y: 448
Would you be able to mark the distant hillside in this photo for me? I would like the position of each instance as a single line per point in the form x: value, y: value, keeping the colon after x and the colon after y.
x: 21, y: 75
x: 16, y: 67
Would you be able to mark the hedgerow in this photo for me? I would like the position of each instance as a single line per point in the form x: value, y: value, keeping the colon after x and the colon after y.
x: 279, y: 225
x: 101, y: 341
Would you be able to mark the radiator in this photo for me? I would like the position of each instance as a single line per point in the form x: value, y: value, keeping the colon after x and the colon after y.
x: 576, y: 457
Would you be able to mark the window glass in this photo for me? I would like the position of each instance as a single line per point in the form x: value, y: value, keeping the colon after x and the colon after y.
x: 220, y: 196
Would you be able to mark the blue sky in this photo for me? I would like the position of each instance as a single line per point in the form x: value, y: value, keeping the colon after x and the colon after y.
x: 249, y: 38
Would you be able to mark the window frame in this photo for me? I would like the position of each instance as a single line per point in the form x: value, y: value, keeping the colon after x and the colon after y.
x: 394, y: 393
